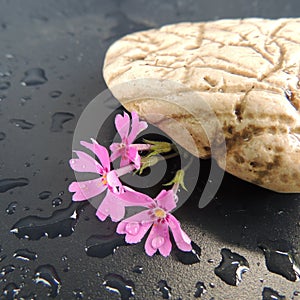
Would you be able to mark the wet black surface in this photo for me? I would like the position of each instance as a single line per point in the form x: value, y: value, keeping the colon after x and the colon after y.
x: 51, y: 55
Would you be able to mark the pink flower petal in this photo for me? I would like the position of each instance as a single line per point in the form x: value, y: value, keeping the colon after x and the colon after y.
x: 100, y: 151
x: 133, y: 156
x: 166, y: 200
x: 158, y: 239
x: 115, y: 154
x: 86, y: 189
x: 134, y: 231
x: 111, y: 206
x: 182, y: 240
x: 114, y: 182
x: 84, y: 163
x: 134, y: 198
x: 122, y: 125
x: 124, y: 161
x: 136, y: 127
x: 142, y: 217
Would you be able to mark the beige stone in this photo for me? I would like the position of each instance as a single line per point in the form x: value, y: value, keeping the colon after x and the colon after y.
x: 247, y: 71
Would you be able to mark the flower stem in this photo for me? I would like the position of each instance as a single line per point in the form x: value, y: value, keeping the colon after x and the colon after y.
x: 142, y: 147
x: 125, y: 170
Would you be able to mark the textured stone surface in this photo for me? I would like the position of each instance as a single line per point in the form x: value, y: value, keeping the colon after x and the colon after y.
x: 246, y: 70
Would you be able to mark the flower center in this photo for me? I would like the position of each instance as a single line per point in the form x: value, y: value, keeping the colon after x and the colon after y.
x: 159, y: 213
x: 104, y: 179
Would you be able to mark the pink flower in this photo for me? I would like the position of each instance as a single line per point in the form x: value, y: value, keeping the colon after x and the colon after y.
x: 125, y: 149
x: 158, y: 216
x: 116, y: 198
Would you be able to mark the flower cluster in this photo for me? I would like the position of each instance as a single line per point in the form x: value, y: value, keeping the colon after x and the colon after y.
x: 156, y: 213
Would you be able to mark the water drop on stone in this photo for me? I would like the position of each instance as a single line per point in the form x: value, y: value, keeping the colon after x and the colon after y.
x: 55, y: 94
x: 270, y: 294
x: 11, y: 183
x: 25, y: 254
x: 117, y: 284
x: 78, y: 294
x: 103, y: 245
x: 2, y: 136
x: 25, y: 99
x: 9, y: 56
x: 231, y: 267
x: 282, y: 258
x: 164, y: 289
x: 10, y: 291
x: 56, y: 202
x: 2, y: 257
x: 58, y: 119
x: 23, y: 124
x: 4, y: 85
x: 137, y: 269
x: 6, y: 270
x: 200, y: 289
x: 11, y: 208
x: 44, y: 195
x: 61, y: 223
x: 47, y: 275
x: 33, y: 77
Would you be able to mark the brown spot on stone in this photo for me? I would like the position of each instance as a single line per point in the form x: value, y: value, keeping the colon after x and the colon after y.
x: 238, y: 158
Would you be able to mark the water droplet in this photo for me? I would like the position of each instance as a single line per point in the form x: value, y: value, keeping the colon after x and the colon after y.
x: 30, y: 296
x: 132, y: 228
x: 117, y: 284
x: 11, y: 183
x: 11, y: 208
x: 296, y: 293
x: 55, y: 94
x: 64, y: 258
x: 58, y: 119
x: 10, y: 291
x: 25, y: 254
x: 231, y: 267
x: 47, y: 275
x: 157, y: 242
x: 282, y: 258
x: 2, y: 136
x: 34, y: 77
x: 78, y: 294
x: 270, y: 294
x: 56, y: 202
x: 25, y: 99
x: 212, y: 285
x: 200, y: 289
x: 7, y: 269
x: 4, y: 85
x: 63, y: 57
x: 44, y: 195
x: 191, y: 257
x: 137, y: 269
x: 61, y: 193
x: 27, y: 164
x: 164, y: 289
x: 103, y: 245
x: 2, y: 257
x: 22, y: 123
x: 61, y: 223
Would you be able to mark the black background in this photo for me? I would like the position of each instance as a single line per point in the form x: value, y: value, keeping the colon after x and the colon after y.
x: 68, y: 39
